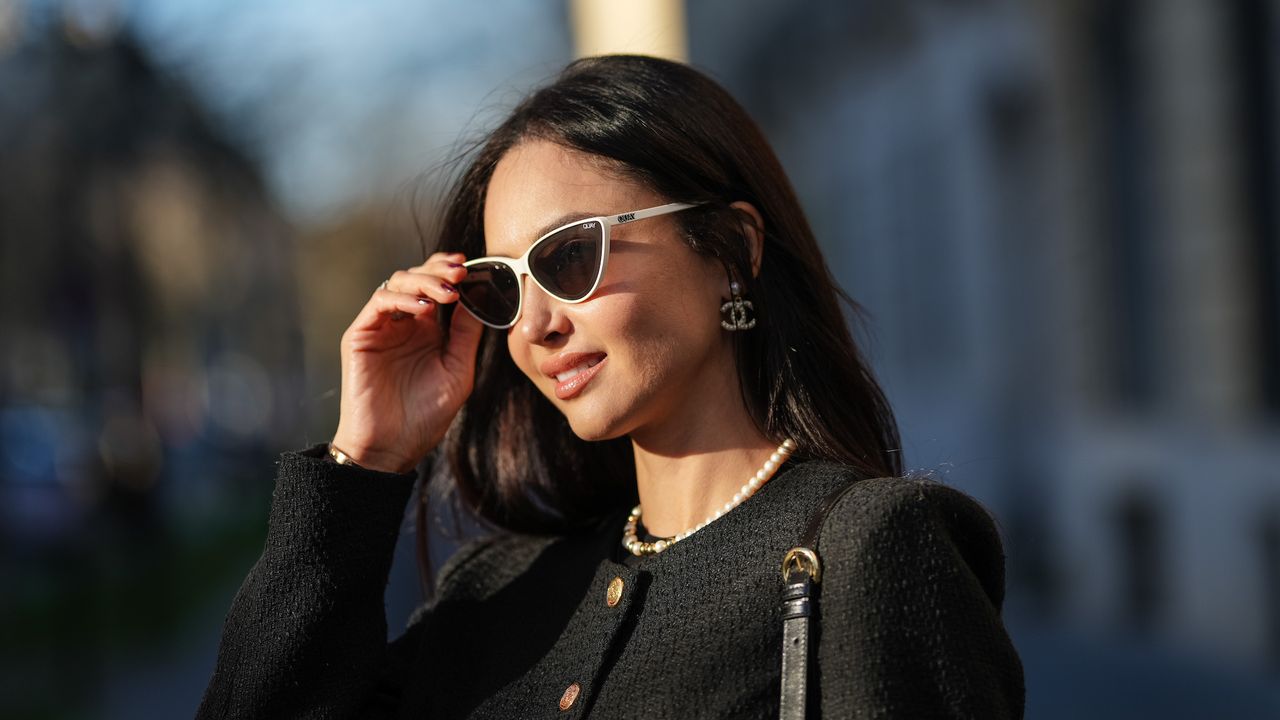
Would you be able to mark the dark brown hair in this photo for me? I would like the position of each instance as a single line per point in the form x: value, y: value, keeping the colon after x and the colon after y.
x: 510, y: 453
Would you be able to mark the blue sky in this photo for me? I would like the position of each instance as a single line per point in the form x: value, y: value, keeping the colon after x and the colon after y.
x: 342, y: 100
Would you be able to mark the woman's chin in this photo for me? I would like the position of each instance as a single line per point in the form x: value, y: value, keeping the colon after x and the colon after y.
x: 592, y: 427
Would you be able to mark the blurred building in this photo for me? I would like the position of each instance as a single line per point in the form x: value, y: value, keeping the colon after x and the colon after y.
x: 147, y: 294
x: 1063, y: 219
x: 1166, y: 500
x: 152, y: 357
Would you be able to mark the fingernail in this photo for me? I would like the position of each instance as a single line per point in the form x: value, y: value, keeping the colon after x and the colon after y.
x: 448, y: 288
x: 455, y: 264
x: 423, y: 301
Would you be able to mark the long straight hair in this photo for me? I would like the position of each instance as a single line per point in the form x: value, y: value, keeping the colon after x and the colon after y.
x: 510, y: 454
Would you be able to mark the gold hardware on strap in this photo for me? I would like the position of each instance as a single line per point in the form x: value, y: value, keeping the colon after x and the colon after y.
x: 803, y: 559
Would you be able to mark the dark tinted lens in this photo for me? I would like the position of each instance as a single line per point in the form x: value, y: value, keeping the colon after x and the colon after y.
x: 490, y: 292
x: 568, y: 262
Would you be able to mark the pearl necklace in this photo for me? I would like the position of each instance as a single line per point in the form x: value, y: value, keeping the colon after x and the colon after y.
x: 633, y: 544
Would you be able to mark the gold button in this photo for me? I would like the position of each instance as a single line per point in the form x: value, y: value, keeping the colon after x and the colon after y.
x: 570, y: 694
x: 614, y: 593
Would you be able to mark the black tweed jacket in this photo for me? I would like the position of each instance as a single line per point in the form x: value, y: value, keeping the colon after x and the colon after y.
x: 908, y: 612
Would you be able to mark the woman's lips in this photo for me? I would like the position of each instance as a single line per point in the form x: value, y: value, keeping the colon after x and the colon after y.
x: 577, y: 378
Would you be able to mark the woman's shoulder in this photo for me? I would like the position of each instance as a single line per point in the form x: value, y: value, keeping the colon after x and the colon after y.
x: 877, y: 501
x: 912, y: 519
x: 912, y: 588
x: 856, y: 501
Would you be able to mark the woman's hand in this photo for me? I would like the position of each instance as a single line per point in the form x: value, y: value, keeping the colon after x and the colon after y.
x: 403, y: 380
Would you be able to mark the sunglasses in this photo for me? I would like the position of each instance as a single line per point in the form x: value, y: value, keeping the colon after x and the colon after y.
x: 567, y: 263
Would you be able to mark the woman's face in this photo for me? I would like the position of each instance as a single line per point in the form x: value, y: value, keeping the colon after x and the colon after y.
x: 647, y: 345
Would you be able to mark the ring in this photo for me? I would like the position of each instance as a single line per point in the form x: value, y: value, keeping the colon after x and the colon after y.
x: 383, y: 286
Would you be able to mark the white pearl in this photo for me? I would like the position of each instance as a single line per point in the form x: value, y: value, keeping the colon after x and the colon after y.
x: 633, y: 544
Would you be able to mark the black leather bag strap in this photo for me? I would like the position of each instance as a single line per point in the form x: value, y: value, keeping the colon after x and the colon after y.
x: 801, y: 574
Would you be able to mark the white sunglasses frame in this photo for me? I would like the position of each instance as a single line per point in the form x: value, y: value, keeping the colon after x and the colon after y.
x: 520, y: 266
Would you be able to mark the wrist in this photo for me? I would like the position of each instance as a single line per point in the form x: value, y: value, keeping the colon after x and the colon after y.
x: 342, y: 458
x: 364, y: 459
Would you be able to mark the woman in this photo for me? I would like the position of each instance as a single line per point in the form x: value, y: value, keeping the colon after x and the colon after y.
x: 662, y: 334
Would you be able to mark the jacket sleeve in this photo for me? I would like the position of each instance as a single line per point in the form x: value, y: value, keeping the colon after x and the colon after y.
x: 909, y: 612
x: 306, y: 633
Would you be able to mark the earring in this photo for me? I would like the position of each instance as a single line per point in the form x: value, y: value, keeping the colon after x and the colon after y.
x: 737, y: 310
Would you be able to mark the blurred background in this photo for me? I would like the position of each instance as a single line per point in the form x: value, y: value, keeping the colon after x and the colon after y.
x: 1060, y: 215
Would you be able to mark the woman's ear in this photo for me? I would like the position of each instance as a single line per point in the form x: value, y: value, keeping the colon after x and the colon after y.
x: 753, y: 232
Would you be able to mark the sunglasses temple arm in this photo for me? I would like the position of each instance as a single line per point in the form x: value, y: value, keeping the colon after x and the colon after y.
x: 648, y: 213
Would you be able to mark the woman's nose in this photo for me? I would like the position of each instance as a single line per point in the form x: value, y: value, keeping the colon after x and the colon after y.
x: 542, y: 318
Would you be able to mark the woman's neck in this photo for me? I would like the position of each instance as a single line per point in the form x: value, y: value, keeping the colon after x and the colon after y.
x: 686, y: 472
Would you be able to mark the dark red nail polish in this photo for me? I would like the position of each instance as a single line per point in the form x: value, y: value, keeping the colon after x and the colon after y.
x: 448, y: 288
x: 455, y: 265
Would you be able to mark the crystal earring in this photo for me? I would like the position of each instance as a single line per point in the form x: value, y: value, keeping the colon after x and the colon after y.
x: 737, y: 311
